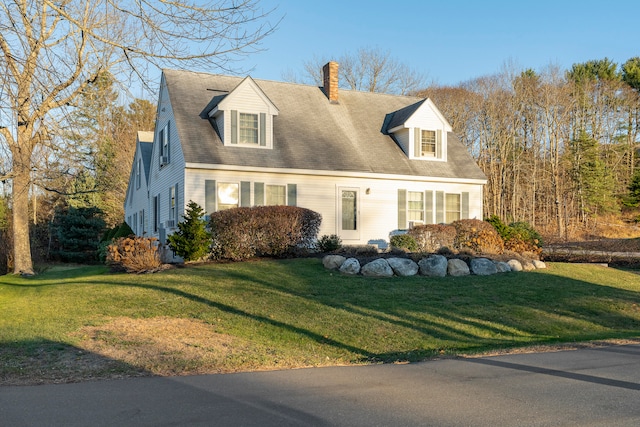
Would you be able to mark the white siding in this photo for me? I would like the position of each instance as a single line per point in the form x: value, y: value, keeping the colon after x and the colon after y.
x: 167, y: 176
x: 137, y: 200
x: 403, y: 138
x: 378, y: 209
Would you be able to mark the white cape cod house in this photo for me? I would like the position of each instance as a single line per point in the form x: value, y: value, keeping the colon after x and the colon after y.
x: 371, y: 164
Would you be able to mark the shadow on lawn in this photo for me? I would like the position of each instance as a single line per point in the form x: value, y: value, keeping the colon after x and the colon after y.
x: 44, y: 362
x: 471, y: 313
x: 450, y: 315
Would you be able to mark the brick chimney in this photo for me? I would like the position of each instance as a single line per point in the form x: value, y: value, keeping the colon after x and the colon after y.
x: 330, y: 81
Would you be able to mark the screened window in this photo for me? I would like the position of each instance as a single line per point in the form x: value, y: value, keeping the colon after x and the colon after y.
x: 248, y: 128
x: 141, y: 219
x: 452, y: 209
x: 428, y: 143
x: 228, y: 195
x: 276, y: 195
x: 415, y: 205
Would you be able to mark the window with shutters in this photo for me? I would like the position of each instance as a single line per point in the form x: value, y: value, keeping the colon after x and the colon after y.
x: 428, y: 144
x: 165, y: 146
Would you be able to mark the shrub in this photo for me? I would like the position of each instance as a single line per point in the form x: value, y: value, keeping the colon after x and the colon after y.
x: 329, y: 243
x: 518, y: 237
x: 108, y: 237
x: 404, y: 241
x: 433, y: 237
x: 192, y: 240
x: 242, y: 233
x: 478, y: 236
x: 523, y: 238
x: 134, y: 254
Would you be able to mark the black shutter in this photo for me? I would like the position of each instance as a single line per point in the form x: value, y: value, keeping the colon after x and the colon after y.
x: 209, y: 196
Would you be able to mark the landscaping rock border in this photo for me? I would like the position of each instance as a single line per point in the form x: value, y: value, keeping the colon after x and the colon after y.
x: 430, y: 266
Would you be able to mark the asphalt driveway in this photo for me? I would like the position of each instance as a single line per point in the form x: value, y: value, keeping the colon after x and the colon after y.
x: 588, y: 387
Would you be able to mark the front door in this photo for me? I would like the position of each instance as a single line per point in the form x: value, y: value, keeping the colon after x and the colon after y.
x: 348, y: 217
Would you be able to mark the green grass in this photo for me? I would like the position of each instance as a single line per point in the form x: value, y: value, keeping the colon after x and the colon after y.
x: 291, y: 313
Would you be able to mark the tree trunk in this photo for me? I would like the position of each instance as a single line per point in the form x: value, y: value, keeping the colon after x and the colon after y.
x: 22, y: 263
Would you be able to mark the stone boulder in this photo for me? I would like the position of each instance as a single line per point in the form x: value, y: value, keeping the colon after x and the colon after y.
x: 502, y: 267
x: 350, y: 266
x: 457, y: 267
x: 483, y: 267
x: 377, y: 268
x: 539, y: 264
x: 528, y: 266
x: 333, y: 262
x: 433, y: 266
x: 403, y: 266
x: 515, y: 265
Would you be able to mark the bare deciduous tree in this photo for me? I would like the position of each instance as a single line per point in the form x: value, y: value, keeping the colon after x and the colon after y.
x: 51, y: 50
x: 370, y: 70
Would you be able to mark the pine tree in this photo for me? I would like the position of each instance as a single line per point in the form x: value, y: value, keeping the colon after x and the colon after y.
x: 192, y: 240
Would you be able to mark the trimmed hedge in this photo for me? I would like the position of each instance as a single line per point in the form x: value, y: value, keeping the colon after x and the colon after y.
x: 243, y: 233
x: 433, y: 237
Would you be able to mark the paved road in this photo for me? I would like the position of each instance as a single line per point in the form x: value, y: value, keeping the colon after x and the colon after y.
x: 588, y: 387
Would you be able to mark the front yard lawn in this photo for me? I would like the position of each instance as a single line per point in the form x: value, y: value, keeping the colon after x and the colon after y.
x: 72, y: 324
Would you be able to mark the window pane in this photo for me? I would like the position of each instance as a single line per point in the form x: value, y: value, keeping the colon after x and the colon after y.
x: 227, y: 196
x: 452, y: 202
x: 415, y: 205
x: 276, y: 195
x: 248, y: 128
x: 349, y: 206
x: 428, y: 145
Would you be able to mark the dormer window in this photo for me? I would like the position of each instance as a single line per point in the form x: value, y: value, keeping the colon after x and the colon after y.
x: 428, y: 143
x: 249, y: 129
x: 244, y: 116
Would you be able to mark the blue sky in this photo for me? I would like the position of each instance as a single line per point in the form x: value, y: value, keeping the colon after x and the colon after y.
x: 450, y: 41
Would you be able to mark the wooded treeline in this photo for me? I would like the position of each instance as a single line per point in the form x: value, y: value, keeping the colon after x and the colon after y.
x: 559, y: 147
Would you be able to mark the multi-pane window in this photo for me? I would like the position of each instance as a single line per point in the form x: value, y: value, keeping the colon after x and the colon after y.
x: 276, y: 195
x: 452, y: 208
x: 228, y: 195
x: 248, y: 128
x: 428, y: 143
x: 415, y: 205
x: 141, y: 229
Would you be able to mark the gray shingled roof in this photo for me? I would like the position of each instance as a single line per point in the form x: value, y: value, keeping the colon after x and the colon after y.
x: 309, y: 132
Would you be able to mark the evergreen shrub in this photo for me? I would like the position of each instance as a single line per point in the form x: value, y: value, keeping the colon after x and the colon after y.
x: 192, y: 240
x: 404, y: 242
x: 329, y: 243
